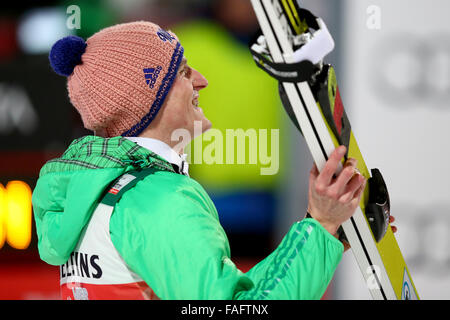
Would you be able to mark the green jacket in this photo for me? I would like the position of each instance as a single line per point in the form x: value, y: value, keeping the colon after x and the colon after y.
x: 167, y: 229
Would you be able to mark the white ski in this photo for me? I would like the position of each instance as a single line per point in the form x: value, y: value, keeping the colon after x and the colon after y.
x: 291, y: 51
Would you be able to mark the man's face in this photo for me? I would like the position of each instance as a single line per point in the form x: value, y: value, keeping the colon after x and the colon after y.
x: 181, y: 105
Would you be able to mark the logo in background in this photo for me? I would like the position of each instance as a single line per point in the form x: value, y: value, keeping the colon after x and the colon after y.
x: 151, y: 75
x: 165, y: 36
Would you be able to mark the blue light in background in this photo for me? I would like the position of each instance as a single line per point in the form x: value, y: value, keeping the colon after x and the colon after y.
x: 40, y: 28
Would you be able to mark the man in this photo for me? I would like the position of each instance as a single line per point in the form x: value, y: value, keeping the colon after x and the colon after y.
x: 118, y: 211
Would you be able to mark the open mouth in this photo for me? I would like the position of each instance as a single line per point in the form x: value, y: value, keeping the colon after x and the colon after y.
x: 195, y: 96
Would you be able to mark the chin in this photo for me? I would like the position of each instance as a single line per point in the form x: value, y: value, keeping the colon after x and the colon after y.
x: 206, y: 125
x: 200, y: 126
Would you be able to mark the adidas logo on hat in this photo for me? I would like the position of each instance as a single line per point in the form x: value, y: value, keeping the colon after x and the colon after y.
x: 151, y: 75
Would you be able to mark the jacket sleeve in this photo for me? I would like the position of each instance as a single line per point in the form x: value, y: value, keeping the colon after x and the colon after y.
x: 301, y: 267
x: 177, y: 245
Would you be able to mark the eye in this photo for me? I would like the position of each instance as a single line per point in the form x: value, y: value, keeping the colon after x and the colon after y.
x: 186, y: 71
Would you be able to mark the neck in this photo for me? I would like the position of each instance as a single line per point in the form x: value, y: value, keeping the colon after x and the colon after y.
x: 177, y: 146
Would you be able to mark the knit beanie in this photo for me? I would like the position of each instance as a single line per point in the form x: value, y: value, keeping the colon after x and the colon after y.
x: 119, y: 77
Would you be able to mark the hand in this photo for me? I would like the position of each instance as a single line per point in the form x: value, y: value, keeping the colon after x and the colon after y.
x: 394, y: 230
x: 333, y: 200
x: 391, y: 220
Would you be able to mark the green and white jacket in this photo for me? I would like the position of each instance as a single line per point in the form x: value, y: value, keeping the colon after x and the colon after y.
x: 166, y: 230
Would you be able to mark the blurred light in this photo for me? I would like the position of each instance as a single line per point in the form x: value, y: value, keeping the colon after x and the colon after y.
x: 40, y: 28
x: 15, y: 214
x: 3, y: 209
x: 130, y: 6
x: 16, y: 111
x: 8, y: 41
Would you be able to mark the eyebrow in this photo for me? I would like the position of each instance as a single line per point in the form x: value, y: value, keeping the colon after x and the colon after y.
x: 184, y: 66
x: 183, y: 62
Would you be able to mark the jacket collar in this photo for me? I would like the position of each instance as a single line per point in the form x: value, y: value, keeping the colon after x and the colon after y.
x: 163, y: 150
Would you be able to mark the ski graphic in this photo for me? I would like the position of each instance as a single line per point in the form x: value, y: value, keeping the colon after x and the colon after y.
x: 291, y: 49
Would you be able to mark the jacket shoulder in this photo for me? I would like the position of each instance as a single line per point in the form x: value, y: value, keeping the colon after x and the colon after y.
x: 168, y: 192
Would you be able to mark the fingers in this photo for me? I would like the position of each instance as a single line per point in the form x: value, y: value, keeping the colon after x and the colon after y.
x: 359, y: 192
x: 313, y: 175
x: 325, y: 177
x: 348, y: 184
x: 346, y: 178
x: 357, y: 195
x: 314, y: 172
x: 391, y: 220
x: 354, y: 188
x: 346, y: 245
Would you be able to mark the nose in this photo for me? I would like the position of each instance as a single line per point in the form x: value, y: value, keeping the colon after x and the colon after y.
x: 198, y: 80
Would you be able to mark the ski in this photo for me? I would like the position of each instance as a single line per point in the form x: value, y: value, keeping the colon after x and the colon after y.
x: 291, y: 48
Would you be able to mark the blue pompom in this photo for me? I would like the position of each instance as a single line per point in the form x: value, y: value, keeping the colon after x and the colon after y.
x: 66, y: 54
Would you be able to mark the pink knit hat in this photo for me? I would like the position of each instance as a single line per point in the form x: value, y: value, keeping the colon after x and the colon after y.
x: 118, y: 79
